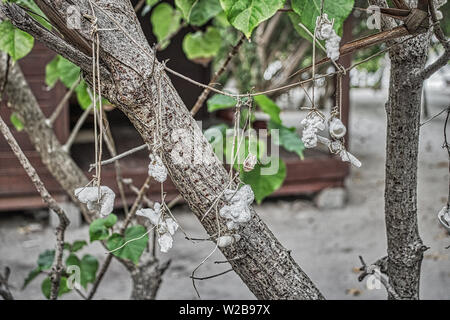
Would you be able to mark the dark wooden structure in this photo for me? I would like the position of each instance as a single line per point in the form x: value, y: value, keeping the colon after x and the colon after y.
x: 318, y: 171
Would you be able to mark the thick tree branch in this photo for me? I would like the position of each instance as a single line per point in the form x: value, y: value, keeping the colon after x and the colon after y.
x: 266, y: 266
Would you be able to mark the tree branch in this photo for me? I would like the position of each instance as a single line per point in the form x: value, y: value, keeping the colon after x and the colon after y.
x: 443, y: 59
x: 4, y: 285
x: 51, y: 203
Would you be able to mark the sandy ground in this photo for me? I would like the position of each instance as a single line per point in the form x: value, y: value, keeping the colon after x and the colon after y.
x: 326, y: 243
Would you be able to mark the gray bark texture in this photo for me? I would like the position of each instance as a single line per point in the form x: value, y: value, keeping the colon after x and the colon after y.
x: 61, y: 165
x: 136, y: 83
x: 404, y: 245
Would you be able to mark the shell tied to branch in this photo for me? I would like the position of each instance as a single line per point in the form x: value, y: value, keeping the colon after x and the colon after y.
x: 311, y: 125
x: 156, y: 168
x: 165, y: 228
x: 237, y: 211
x: 104, y: 204
x: 325, y: 31
x: 444, y: 217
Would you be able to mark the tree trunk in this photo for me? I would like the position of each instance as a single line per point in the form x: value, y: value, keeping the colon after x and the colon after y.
x: 405, y: 248
x: 136, y: 83
x: 61, y: 165
x: 147, y: 278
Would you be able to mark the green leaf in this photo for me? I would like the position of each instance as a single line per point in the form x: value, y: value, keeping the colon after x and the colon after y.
x: 47, y: 285
x: 264, y: 185
x: 45, y: 259
x: 17, y: 123
x: 89, y: 267
x: 31, y: 276
x: 307, y: 11
x: 83, y: 97
x: 219, y: 102
x: 288, y: 139
x: 98, y: 229
x: 78, y: 245
x: 202, y: 44
x: 198, y: 12
x: 133, y: 249
x: 246, y: 15
x: 269, y: 107
x: 61, y: 69
x: 37, y: 14
x: 51, y: 72
x: 72, y: 260
x: 165, y: 21
x: 14, y: 41
x: 68, y: 72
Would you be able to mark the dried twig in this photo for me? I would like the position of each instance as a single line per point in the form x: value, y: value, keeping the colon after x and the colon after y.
x: 119, y: 156
x: 380, y: 265
x: 51, y: 203
x: 443, y: 59
x: 201, y: 99
x: 66, y: 147
x: 212, y: 276
x: 100, y: 276
x: 62, y: 103
x: 4, y: 285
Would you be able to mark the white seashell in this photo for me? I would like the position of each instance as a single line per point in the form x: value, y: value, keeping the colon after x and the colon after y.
x: 154, y: 215
x: 444, y: 218
x: 156, y: 168
x: 225, y: 241
x: 337, y: 128
x: 250, y: 162
x: 165, y: 242
x: 348, y: 157
x: 89, y: 196
x: 172, y: 226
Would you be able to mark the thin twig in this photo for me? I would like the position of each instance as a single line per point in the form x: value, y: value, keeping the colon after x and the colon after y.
x: 212, y: 276
x: 136, y: 204
x: 51, y: 203
x: 371, y: 270
x: 66, y: 147
x: 5, y: 293
x: 119, y: 156
x: 139, y: 5
x: 62, y: 103
x: 444, y: 58
x: 447, y: 146
x: 100, y: 275
x: 201, y: 99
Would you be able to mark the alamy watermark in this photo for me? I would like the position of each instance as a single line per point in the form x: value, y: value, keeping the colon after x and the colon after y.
x: 374, y: 20
x: 189, y: 147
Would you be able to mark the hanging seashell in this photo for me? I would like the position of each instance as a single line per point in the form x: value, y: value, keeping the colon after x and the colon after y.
x: 444, y: 218
x: 337, y: 128
x: 250, y: 162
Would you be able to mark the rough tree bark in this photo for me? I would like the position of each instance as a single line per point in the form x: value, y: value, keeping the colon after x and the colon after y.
x: 147, y: 276
x: 130, y: 76
x: 405, y: 247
